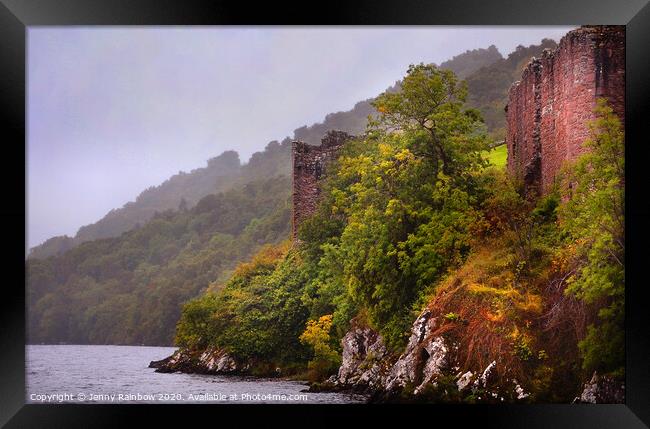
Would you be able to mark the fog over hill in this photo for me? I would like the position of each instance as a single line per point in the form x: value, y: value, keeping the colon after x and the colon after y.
x: 488, y: 74
x: 225, y: 171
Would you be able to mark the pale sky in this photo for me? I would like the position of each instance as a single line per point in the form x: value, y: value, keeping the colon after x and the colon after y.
x: 114, y: 110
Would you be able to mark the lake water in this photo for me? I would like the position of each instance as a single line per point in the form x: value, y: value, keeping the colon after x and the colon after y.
x: 120, y: 374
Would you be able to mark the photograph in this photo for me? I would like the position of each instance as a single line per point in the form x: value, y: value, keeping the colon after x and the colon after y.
x: 374, y: 211
x: 325, y: 214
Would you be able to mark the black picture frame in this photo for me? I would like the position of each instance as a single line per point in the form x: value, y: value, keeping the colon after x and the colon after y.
x: 17, y: 15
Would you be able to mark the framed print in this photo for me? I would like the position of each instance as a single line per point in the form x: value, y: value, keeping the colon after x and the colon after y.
x: 380, y: 211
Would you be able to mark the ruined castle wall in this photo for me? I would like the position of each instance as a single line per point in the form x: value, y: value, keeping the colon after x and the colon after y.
x: 549, y: 109
x: 523, y: 137
x: 309, y: 167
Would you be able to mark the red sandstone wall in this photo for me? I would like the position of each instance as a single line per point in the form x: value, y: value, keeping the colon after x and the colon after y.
x: 522, y: 118
x: 549, y: 109
x: 309, y: 165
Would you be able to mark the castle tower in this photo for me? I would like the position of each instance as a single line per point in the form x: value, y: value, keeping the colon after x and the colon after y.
x: 549, y: 109
x: 309, y: 165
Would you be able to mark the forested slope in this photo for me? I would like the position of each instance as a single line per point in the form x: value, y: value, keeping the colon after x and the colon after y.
x: 175, y: 240
x: 129, y: 289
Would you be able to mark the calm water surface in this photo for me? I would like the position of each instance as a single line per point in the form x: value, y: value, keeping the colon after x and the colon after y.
x: 119, y: 374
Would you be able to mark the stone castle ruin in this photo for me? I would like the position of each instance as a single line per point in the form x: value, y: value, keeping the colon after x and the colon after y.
x: 309, y: 165
x: 549, y: 108
x: 547, y: 115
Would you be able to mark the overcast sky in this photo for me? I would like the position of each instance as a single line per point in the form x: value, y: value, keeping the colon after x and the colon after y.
x: 114, y: 110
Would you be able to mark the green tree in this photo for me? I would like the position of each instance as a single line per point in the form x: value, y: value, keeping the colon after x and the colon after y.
x: 594, y: 220
x: 430, y: 109
x: 317, y: 336
x: 396, y: 214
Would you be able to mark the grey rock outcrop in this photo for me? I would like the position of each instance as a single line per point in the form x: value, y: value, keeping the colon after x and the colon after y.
x: 209, y: 361
x: 424, y: 359
x: 366, y: 364
x: 368, y: 367
x: 363, y: 360
x: 602, y: 389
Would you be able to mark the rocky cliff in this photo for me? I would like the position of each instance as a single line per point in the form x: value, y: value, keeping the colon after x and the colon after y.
x: 427, y: 369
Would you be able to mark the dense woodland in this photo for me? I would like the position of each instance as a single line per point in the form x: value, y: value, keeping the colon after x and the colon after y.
x: 421, y: 217
x: 129, y: 289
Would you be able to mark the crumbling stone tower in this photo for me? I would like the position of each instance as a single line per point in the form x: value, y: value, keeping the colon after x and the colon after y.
x: 309, y: 165
x: 549, y: 108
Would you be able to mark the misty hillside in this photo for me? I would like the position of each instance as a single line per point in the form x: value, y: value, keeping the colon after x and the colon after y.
x: 130, y: 289
x: 489, y: 76
x: 469, y: 61
x: 488, y: 86
x: 124, y: 279
x: 181, y: 190
x: 354, y: 121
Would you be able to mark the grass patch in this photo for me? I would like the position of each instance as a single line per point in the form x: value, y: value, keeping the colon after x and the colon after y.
x: 498, y: 156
